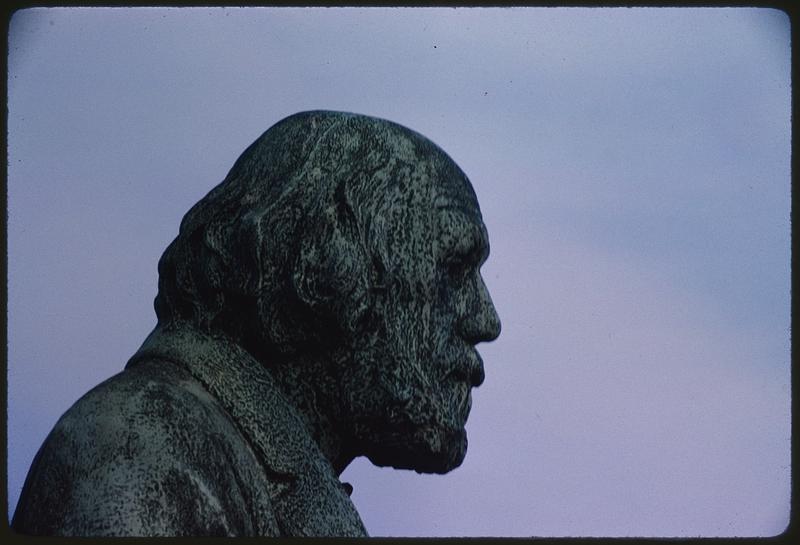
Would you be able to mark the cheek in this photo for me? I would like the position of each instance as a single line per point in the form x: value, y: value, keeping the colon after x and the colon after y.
x: 411, y: 321
x: 408, y: 351
x: 443, y: 319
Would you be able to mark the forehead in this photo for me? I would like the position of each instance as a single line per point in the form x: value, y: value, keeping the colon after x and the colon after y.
x: 459, y: 222
x: 452, y: 189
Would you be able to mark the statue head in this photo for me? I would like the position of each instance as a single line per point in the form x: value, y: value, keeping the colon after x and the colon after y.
x: 347, y: 248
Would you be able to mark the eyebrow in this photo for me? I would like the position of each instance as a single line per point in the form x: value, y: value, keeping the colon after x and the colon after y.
x: 475, y: 239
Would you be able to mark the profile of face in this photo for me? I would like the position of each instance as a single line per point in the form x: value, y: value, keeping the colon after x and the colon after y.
x: 436, y: 309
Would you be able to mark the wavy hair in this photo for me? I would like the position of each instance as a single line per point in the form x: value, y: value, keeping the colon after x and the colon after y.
x: 294, y: 239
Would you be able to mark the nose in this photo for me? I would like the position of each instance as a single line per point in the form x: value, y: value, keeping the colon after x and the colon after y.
x: 480, y: 322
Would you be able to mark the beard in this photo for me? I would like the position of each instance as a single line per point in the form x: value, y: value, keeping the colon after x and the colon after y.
x: 402, y: 412
x: 402, y: 444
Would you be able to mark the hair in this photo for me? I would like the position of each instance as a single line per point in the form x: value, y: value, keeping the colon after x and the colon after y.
x: 294, y: 238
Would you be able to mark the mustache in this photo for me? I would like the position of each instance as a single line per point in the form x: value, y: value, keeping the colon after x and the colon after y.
x: 466, y: 365
x: 406, y: 380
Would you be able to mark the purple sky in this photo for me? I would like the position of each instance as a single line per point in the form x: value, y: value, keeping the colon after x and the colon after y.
x: 632, y: 166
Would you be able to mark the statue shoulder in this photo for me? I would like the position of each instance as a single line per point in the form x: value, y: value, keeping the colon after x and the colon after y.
x: 147, y: 452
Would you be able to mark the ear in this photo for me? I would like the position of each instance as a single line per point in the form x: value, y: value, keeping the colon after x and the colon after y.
x: 326, y: 269
x: 332, y: 272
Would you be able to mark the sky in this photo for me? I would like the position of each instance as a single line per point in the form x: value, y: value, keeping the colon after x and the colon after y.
x: 633, y: 171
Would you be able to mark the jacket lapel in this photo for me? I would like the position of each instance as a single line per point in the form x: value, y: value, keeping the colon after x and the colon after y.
x: 308, y: 499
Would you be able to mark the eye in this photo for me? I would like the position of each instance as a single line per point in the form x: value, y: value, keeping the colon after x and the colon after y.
x: 457, y: 267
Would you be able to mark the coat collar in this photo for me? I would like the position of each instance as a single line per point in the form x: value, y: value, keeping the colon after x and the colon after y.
x: 311, y: 500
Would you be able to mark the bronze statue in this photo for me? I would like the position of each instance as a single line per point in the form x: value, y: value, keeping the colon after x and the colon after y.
x: 322, y: 303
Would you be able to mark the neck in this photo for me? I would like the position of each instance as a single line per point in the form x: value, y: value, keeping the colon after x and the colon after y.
x: 306, y: 384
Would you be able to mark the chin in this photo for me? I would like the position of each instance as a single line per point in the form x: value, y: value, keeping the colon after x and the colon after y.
x: 427, y: 450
